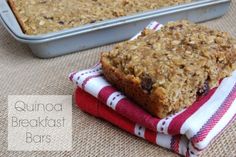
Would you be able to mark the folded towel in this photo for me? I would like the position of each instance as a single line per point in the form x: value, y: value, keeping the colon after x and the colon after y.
x: 187, y: 132
x: 93, y: 106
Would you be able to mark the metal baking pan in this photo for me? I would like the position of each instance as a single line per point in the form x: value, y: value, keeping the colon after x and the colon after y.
x: 108, y: 31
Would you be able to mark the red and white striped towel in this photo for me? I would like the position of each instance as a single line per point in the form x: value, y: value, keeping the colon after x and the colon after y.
x: 187, y: 132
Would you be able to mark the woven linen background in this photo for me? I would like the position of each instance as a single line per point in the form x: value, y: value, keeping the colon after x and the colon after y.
x: 22, y: 73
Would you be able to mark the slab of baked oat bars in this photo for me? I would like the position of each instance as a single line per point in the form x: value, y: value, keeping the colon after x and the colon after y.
x: 168, y: 70
x: 43, y: 16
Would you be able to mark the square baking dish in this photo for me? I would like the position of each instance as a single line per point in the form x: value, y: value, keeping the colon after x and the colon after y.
x: 108, y: 31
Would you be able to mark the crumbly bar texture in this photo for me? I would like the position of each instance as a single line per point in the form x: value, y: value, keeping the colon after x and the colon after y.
x: 43, y: 16
x: 168, y: 70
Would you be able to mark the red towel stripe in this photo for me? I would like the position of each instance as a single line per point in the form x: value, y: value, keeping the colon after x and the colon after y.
x: 155, y: 27
x: 138, y: 115
x: 129, y: 109
x: 104, y: 94
x: 86, y: 102
x: 150, y: 136
x: 72, y: 75
x: 187, y: 153
x: 91, y: 105
x: 174, y: 145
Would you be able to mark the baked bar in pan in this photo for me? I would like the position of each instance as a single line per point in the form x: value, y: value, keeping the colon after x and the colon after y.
x: 43, y: 16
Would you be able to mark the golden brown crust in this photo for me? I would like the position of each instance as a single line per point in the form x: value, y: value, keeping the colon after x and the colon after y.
x: 131, y: 86
x: 168, y: 70
x: 16, y: 13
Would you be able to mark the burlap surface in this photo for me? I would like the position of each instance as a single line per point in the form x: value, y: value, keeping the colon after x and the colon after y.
x: 22, y: 73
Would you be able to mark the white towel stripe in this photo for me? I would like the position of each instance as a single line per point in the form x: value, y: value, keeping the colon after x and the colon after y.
x: 95, y: 85
x: 192, y: 125
x: 113, y: 99
x: 139, y: 131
